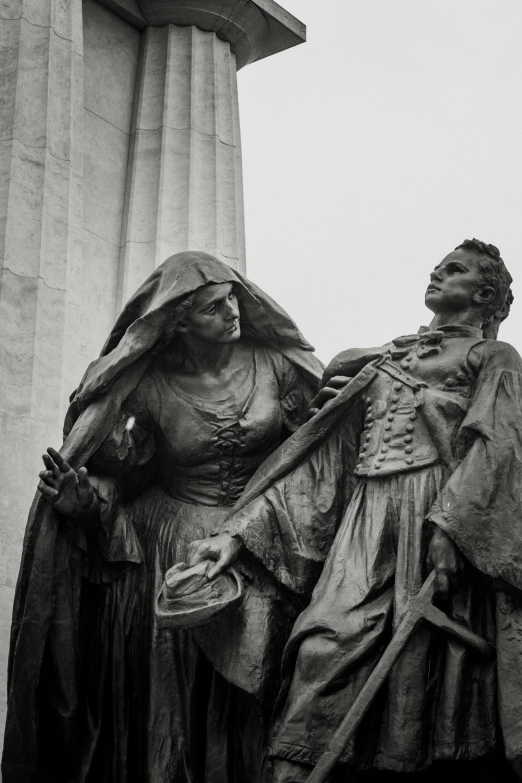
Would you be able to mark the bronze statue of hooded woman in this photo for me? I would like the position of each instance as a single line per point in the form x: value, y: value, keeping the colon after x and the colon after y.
x: 202, y: 377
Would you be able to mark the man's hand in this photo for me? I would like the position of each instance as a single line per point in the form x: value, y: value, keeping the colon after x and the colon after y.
x: 327, y: 393
x: 447, y: 561
x: 71, y: 493
x: 222, y: 548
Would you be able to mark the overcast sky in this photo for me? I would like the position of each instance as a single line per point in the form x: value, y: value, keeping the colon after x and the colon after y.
x: 375, y: 148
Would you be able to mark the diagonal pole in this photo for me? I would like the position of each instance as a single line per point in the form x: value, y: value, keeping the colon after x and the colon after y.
x: 421, y: 608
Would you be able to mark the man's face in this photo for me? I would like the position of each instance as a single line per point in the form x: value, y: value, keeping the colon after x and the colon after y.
x: 215, y: 315
x: 454, y: 283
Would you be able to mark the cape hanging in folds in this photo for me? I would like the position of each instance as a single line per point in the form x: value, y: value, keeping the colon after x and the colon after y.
x: 480, y: 506
x: 45, y: 648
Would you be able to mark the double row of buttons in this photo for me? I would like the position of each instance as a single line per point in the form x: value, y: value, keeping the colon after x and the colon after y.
x: 405, y: 364
x: 394, y: 399
x: 387, y: 427
x: 366, y: 434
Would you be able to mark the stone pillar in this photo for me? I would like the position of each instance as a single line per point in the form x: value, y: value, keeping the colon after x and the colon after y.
x: 183, y: 190
x: 41, y: 100
x: 184, y: 186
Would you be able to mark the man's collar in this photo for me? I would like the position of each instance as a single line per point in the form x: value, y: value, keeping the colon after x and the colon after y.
x: 454, y: 330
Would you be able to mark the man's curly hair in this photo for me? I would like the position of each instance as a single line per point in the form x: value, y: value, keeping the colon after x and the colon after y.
x: 493, y: 272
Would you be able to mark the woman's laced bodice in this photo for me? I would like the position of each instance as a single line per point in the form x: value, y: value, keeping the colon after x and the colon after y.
x: 199, y: 450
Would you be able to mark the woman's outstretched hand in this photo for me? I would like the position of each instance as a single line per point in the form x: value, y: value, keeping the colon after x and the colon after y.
x: 222, y: 548
x: 70, y: 492
x: 327, y: 393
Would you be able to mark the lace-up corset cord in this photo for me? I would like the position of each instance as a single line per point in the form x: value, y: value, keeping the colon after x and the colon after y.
x: 204, y: 451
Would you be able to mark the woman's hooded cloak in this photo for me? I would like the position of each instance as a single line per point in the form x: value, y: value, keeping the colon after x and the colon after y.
x: 44, y: 662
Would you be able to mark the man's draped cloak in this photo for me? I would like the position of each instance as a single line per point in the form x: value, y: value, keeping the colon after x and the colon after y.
x: 293, y: 506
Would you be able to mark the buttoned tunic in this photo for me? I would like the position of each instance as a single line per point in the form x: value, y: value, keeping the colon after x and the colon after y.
x: 396, y: 437
x: 440, y: 702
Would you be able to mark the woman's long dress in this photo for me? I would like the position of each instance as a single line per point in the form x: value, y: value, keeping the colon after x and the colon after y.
x: 155, y: 708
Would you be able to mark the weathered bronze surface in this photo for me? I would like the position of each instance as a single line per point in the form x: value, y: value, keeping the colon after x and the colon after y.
x: 421, y: 609
x: 379, y: 543
x: 414, y: 468
x: 201, y: 378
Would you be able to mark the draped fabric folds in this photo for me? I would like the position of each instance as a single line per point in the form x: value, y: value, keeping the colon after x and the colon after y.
x: 53, y: 621
x: 293, y: 506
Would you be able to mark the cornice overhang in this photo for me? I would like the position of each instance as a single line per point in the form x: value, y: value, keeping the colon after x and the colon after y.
x: 254, y: 28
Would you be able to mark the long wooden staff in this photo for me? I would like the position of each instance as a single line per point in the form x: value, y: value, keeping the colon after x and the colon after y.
x: 421, y: 608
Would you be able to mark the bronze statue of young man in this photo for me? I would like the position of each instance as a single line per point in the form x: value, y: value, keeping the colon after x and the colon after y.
x: 437, y: 418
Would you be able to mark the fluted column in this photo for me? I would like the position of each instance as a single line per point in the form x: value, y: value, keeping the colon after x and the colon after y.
x: 41, y: 98
x: 182, y: 190
x: 184, y: 185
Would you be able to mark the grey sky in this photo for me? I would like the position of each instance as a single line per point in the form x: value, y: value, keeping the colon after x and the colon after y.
x: 372, y: 150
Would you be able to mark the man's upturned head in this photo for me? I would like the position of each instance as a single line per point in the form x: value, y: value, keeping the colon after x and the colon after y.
x: 472, y: 277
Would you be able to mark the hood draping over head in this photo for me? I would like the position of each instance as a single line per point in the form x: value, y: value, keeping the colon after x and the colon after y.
x: 148, y: 315
x: 45, y: 614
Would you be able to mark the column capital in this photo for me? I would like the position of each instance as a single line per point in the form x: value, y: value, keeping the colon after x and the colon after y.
x: 254, y: 28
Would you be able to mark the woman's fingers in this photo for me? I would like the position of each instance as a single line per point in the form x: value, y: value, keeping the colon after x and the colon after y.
x: 222, y: 548
x: 59, y: 461
x: 226, y: 553
x: 47, y: 476
x: 83, y: 477
x: 47, y: 491
x: 220, y: 566
x: 83, y: 485
x: 197, y: 551
x: 51, y: 466
x: 56, y: 464
x: 84, y: 490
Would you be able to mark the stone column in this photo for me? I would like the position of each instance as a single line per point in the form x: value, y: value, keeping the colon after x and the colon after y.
x: 41, y: 99
x: 183, y: 191
x: 184, y: 186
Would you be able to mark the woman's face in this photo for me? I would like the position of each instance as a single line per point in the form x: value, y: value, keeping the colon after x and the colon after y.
x: 214, y: 317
